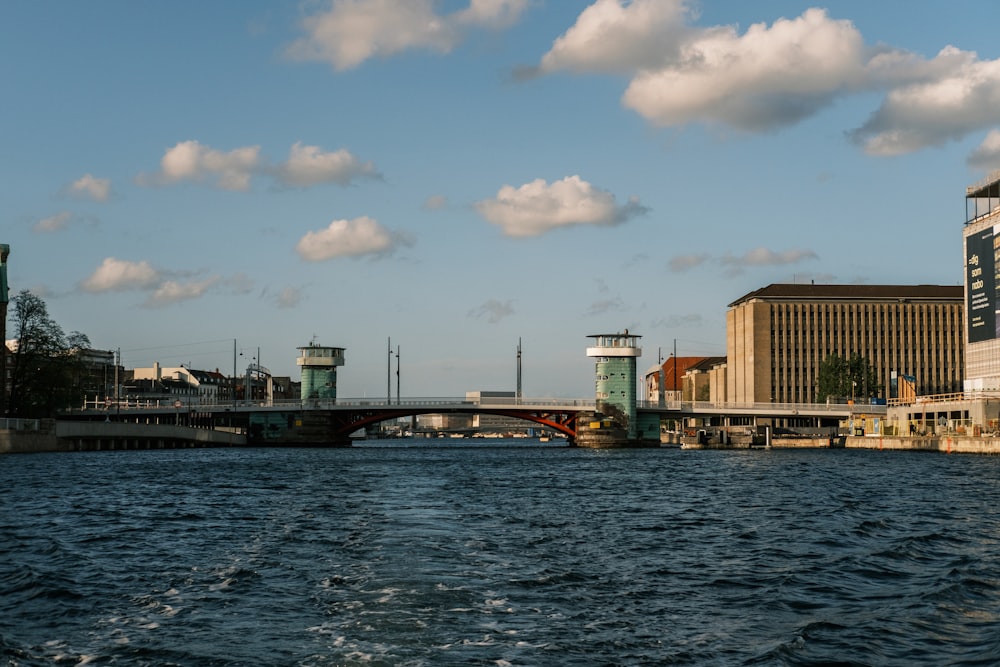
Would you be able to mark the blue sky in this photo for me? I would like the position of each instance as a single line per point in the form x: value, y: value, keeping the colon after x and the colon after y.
x: 457, y: 176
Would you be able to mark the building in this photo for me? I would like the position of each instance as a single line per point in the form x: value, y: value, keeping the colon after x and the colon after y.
x: 319, y: 371
x: 188, y: 385
x: 705, y: 380
x: 671, y: 373
x: 777, y: 337
x: 981, y: 245
x: 615, y: 378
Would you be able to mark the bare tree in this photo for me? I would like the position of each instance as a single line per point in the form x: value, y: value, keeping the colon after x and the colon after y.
x: 45, y: 367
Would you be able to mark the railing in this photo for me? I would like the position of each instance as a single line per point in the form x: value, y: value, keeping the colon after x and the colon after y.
x: 946, y: 398
x: 766, y: 408
x: 187, y: 403
x: 10, y: 424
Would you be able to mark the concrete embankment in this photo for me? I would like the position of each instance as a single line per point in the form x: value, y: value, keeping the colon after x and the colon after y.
x: 49, y: 436
x: 943, y: 444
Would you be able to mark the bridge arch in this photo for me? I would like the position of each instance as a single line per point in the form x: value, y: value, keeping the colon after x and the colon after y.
x: 343, y: 422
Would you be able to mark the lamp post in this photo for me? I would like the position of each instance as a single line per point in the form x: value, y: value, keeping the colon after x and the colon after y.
x: 397, y: 375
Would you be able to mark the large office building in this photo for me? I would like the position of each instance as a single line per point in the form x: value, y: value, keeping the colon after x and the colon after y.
x: 777, y: 337
x: 981, y: 241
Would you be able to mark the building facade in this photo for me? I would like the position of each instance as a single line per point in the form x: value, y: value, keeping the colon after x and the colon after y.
x: 981, y: 245
x: 665, y: 381
x: 777, y: 337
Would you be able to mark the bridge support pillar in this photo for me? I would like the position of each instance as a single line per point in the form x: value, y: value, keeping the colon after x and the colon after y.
x: 596, y: 432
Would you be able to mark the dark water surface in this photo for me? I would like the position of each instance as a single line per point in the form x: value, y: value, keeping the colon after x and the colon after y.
x: 496, y: 555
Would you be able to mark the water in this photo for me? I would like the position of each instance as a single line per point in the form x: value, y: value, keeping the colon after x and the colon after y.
x: 499, y: 555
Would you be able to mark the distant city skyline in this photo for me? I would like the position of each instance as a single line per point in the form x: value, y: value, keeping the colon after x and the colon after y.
x: 460, y: 176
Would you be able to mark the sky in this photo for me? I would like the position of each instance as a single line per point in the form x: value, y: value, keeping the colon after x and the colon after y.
x: 212, y: 183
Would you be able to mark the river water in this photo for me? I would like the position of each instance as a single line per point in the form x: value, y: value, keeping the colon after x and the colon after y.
x: 499, y: 554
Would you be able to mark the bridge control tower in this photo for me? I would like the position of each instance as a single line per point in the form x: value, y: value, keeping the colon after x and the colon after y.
x: 319, y: 371
x: 615, y: 383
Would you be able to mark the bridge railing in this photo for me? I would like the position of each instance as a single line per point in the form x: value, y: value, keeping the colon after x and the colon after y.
x: 188, y: 403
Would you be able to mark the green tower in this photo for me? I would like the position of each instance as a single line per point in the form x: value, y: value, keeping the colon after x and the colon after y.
x: 615, y: 387
x: 319, y: 371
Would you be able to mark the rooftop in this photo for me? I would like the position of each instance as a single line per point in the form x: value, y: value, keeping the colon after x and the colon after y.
x: 811, y: 292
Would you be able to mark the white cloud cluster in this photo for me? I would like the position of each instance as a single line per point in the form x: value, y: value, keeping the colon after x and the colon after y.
x: 349, y: 238
x: 766, y: 78
x: 192, y: 161
x: 53, y: 223
x: 116, y: 275
x: 774, y: 76
x: 233, y: 170
x: 89, y: 186
x: 119, y: 275
x: 953, y: 94
x: 538, y: 207
x: 353, y: 31
x: 310, y: 165
x: 609, y: 36
x: 172, y: 291
x: 987, y: 155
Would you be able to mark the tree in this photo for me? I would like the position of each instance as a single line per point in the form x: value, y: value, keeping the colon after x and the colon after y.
x: 45, y: 366
x: 846, y: 378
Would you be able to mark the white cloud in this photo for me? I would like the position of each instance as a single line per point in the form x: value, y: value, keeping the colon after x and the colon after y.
x: 610, y: 36
x: 54, y: 223
x: 90, y: 187
x: 774, y: 76
x: 310, y: 165
x: 537, y: 207
x: 192, y: 161
x: 987, y: 155
x: 171, y: 291
x: 353, y: 31
x: 348, y: 238
x: 493, y: 310
x: 953, y: 94
x: 119, y: 275
x: 766, y: 78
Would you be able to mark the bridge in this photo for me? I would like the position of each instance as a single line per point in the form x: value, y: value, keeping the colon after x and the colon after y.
x: 333, y: 421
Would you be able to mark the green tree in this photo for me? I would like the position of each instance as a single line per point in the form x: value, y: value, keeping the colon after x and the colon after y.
x: 46, y: 366
x: 853, y: 377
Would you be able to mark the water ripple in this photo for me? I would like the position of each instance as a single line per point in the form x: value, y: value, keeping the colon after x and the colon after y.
x: 499, y: 556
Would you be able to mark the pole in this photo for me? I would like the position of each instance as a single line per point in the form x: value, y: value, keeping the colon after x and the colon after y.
x: 233, y: 383
x: 388, y: 374
x: 519, y: 370
x: 397, y: 375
